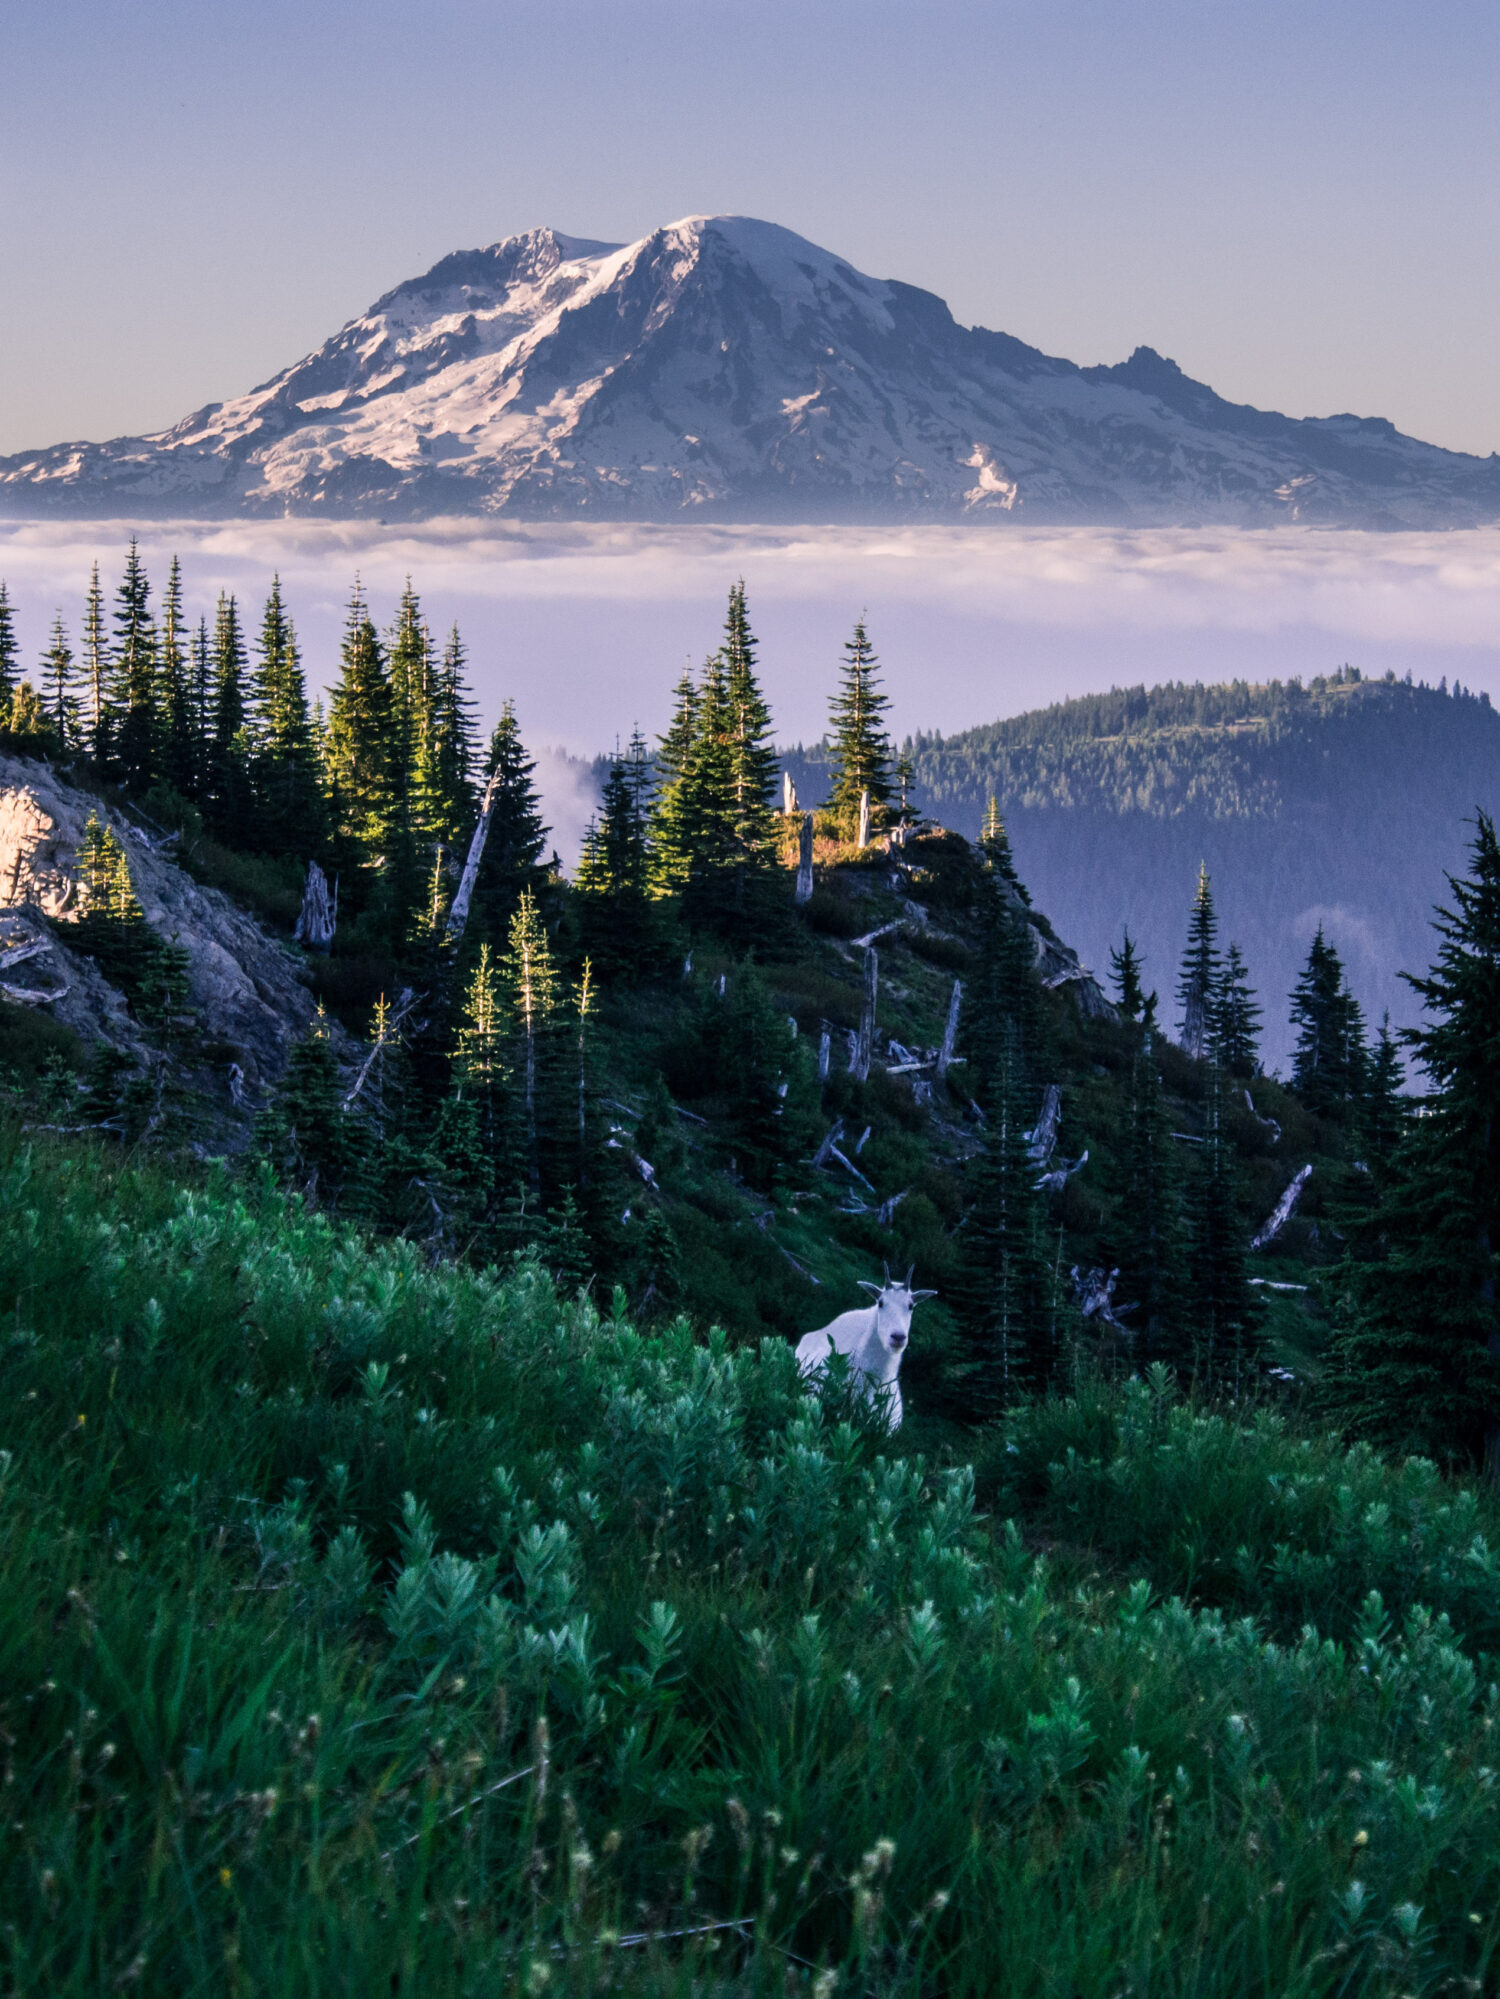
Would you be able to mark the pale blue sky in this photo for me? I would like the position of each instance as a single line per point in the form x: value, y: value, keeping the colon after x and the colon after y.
x: 1300, y: 203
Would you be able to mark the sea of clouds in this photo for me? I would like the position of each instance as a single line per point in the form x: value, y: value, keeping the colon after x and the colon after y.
x: 587, y: 628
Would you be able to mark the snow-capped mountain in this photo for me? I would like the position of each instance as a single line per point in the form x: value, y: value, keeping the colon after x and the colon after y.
x: 728, y: 369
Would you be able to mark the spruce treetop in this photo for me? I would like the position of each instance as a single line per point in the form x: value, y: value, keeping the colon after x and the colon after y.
x: 860, y: 746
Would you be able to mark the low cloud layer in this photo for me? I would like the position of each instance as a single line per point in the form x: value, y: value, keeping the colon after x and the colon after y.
x: 587, y: 628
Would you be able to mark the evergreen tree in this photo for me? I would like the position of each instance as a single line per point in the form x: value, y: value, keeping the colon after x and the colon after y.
x: 752, y: 768
x: 1328, y: 1063
x: 860, y: 746
x: 1125, y: 970
x: 672, y: 828
x: 180, y: 763
x: 285, y: 772
x: 96, y: 662
x: 1007, y: 1303
x: 412, y: 677
x: 994, y: 844
x: 1234, y: 1019
x: 10, y: 649
x: 1144, y: 1233
x: 1415, y: 1362
x: 314, y: 1144
x: 451, y: 757
x: 531, y: 985
x: 136, y: 736
x: 906, y: 778
x: 1002, y: 1023
x: 1223, y: 1323
x: 201, y: 686
x: 511, y: 868
x: 359, y: 756
x: 1386, y: 1111
x: 229, y: 800
x: 29, y: 725
x: 1199, y: 978
x: 615, y: 912
x: 58, y: 677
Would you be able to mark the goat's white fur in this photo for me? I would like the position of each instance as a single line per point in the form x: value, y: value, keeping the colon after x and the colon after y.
x: 873, y: 1337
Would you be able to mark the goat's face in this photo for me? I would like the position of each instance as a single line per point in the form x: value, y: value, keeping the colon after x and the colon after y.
x: 894, y: 1303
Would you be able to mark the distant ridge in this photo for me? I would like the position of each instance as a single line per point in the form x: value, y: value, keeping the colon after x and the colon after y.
x: 722, y: 368
x: 1343, y: 802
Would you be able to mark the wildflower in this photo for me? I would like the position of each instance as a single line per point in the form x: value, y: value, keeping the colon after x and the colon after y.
x: 226, y: 1875
x: 1361, y: 1838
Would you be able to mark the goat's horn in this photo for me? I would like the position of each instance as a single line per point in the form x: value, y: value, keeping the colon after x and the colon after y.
x: 910, y: 1275
x: 887, y: 1269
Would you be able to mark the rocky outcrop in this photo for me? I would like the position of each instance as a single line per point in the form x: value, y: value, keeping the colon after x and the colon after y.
x: 245, y: 987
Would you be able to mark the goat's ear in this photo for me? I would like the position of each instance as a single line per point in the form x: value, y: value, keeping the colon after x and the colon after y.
x: 873, y: 1289
x: 917, y: 1296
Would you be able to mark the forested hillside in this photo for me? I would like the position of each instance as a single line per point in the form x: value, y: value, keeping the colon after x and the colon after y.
x: 1340, y: 803
x: 423, y: 1554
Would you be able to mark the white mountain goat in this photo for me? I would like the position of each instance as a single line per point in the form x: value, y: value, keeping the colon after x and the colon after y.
x: 874, y: 1338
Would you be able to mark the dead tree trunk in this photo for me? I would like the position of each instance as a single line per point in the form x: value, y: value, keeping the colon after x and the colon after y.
x: 805, y: 860
x: 320, y: 913
x: 866, y: 1044
x: 458, y: 915
x: 864, y: 819
x: 950, y: 1032
x: 825, y: 1045
x: 788, y: 794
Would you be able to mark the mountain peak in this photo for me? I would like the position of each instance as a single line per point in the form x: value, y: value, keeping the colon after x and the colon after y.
x: 726, y: 367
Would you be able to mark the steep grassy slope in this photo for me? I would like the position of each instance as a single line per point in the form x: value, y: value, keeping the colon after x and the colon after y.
x: 370, y: 1628
x: 1341, y: 803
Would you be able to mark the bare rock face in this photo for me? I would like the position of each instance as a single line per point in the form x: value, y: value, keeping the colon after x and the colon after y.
x: 244, y: 986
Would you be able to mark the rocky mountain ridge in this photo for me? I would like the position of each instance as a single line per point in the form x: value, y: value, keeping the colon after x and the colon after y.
x: 724, y: 368
x: 244, y: 988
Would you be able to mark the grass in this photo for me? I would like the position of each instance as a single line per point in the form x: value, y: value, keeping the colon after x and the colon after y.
x: 366, y: 1627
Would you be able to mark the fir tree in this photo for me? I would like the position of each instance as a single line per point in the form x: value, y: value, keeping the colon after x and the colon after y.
x: 313, y: 1142
x: 1199, y: 978
x: 358, y: 750
x: 531, y: 984
x: 1385, y: 1111
x: 285, y: 772
x: 752, y: 767
x: 615, y: 912
x: 1144, y: 1234
x: 229, y: 800
x: 451, y: 758
x: 1415, y: 1363
x: 671, y: 827
x: 135, y: 744
x: 994, y: 844
x: 58, y: 677
x: 511, y: 868
x: 1002, y: 1022
x: 860, y: 746
x: 96, y: 664
x: 1125, y: 970
x: 29, y: 725
x: 1328, y: 1063
x: 1234, y: 1019
x: 10, y: 649
x: 201, y: 691
x: 1007, y: 1305
x: 180, y: 760
x: 1223, y: 1324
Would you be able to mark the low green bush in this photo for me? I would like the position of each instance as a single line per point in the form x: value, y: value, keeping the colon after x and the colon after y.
x: 371, y: 1627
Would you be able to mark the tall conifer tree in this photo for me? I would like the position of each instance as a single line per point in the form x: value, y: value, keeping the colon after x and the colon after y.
x: 1415, y: 1362
x: 179, y: 735
x: 10, y: 650
x: 517, y: 840
x: 358, y: 750
x: 1234, y: 1019
x: 137, y: 734
x: 1199, y: 978
x: 96, y: 664
x: 59, y: 678
x: 229, y: 800
x: 1007, y: 1304
x: 289, y: 806
x: 1328, y: 1063
x: 861, y: 748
